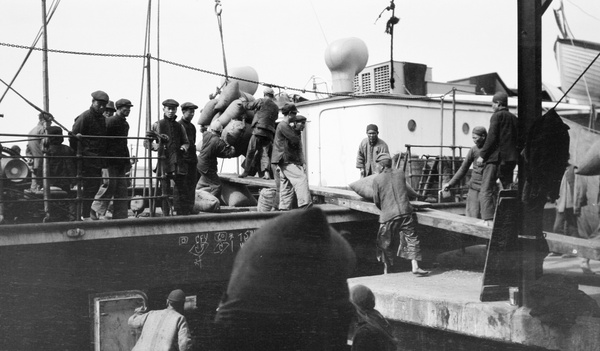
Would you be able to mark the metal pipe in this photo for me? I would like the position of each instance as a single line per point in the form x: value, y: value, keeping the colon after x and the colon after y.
x: 45, y: 57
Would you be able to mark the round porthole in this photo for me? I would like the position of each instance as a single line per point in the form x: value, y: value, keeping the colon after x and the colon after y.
x: 412, y: 125
x: 466, y: 128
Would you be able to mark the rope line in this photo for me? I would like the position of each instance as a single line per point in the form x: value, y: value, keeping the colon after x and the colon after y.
x: 201, y: 70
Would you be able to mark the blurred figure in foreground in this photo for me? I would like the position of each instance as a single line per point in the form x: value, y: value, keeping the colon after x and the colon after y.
x: 288, y: 288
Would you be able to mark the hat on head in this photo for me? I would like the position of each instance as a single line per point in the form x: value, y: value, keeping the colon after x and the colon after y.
x: 45, y: 116
x: 384, y: 158
x: 289, y: 108
x: 298, y: 118
x: 111, y: 106
x: 170, y: 103
x: 54, y: 130
x: 269, y: 91
x: 216, y: 126
x: 372, y: 127
x: 177, y: 296
x: 362, y: 297
x: 188, y: 106
x: 479, y: 130
x: 296, y: 263
x: 501, y: 97
x: 99, y: 95
x: 123, y: 102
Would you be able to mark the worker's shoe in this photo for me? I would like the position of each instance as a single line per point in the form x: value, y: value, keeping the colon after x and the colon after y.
x: 94, y: 215
x: 244, y: 174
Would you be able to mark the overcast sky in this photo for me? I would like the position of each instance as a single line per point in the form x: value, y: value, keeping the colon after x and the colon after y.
x: 284, y: 41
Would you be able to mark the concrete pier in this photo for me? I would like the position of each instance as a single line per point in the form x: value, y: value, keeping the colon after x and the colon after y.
x: 448, y: 300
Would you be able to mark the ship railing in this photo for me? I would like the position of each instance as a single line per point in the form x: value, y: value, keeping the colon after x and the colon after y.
x: 18, y: 199
x: 428, y: 172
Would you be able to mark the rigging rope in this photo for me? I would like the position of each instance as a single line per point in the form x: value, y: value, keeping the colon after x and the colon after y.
x: 302, y: 90
x: 53, y: 7
x: 577, y: 80
x: 218, y: 11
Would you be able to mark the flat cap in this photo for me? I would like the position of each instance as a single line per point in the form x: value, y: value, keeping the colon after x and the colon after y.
x: 269, y: 91
x: 372, y: 127
x: 123, y: 102
x: 500, y: 97
x: 170, y: 103
x: 99, y: 95
x: 177, y: 296
x: 298, y: 118
x: 188, y: 106
x: 111, y: 106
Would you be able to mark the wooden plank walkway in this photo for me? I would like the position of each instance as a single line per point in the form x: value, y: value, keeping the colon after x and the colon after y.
x: 431, y: 217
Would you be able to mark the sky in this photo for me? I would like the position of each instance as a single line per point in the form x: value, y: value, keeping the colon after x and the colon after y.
x: 284, y: 41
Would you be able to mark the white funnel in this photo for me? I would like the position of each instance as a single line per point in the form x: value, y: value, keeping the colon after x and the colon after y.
x: 345, y: 59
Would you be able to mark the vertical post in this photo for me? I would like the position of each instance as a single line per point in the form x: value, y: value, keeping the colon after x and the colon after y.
x: 1, y: 189
x: 45, y: 58
x: 79, y: 205
x: 148, y: 170
x: 529, y: 65
x: 45, y: 182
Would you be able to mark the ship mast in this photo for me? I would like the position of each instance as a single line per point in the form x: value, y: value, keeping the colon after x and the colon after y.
x: 45, y: 58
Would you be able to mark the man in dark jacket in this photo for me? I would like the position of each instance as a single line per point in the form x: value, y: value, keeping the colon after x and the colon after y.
x: 184, y: 197
x: 263, y: 130
x: 499, y: 153
x: 116, y: 187
x: 91, y: 123
x: 212, y: 147
x: 172, y: 146
x: 396, y: 221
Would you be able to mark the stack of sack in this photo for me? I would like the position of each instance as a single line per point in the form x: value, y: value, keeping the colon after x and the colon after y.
x: 227, y: 109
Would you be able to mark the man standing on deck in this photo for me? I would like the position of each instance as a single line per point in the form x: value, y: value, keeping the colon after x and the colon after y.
x: 184, y: 197
x: 289, y: 110
x: 165, y: 329
x: 369, y: 148
x: 473, y: 207
x: 35, y: 149
x: 397, y: 222
x: 263, y: 130
x: 91, y: 123
x: 499, y: 154
x: 116, y: 126
x: 289, y: 158
x: 212, y: 147
x: 174, y: 143
x: 110, y: 109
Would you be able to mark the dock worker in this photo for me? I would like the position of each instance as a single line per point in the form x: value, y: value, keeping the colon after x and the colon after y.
x: 288, y: 111
x: 369, y: 148
x: 396, y: 222
x: 116, y: 185
x: 263, y: 130
x: 473, y: 206
x: 499, y: 154
x: 110, y: 109
x: 288, y: 289
x: 165, y: 329
x: 35, y: 149
x: 289, y: 158
x: 91, y: 123
x: 184, y: 197
x: 212, y: 147
x: 174, y: 143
